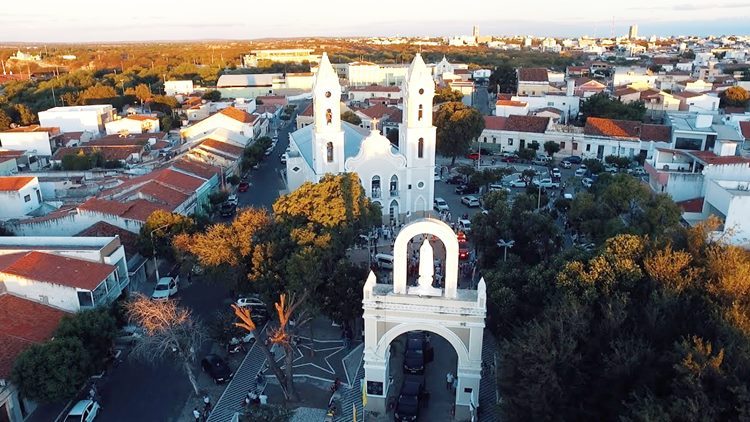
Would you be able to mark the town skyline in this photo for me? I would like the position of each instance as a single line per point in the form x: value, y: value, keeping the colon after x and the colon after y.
x: 81, y: 24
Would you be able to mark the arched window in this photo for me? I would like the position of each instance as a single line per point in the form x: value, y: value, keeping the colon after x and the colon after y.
x: 419, y: 113
x: 329, y: 116
x: 420, y: 148
x: 394, y: 185
x: 329, y: 152
x: 375, y: 186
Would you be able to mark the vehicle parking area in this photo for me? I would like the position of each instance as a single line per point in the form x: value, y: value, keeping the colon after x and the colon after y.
x: 437, y: 401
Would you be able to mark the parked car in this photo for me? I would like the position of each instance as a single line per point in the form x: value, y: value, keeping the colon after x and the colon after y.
x: 165, y: 288
x: 227, y: 209
x: 247, y: 338
x: 384, y: 261
x: 470, y: 201
x: 128, y: 334
x: 473, y: 156
x: 250, y: 301
x: 580, y: 172
x: 566, y: 164
x: 466, y: 189
x: 587, y: 182
x: 546, y: 183
x: 638, y: 171
x: 510, y: 159
x: 243, y: 186
x: 494, y: 187
x: 574, y: 159
x: 455, y: 180
x: 464, y: 225
x: 555, y: 173
x: 609, y: 168
x: 407, y: 407
x: 83, y: 411
x: 414, y: 355
x: 283, y: 158
x: 463, y: 252
x: 216, y: 368
x: 440, y: 205
x: 232, y: 199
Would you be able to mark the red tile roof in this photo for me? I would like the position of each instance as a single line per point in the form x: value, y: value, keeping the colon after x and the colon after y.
x: 163, y: 194
x: 138, y: 210
x: 710, y: 158
x: 239, y: 115
x: 14, y: 183
x: 625, y: 91
x: 129, y: 139
x: 62, y: 270
x: 308, y: 111
x: 177, y: 179
x: 197, y: 168
x: 103, y: 229
x: 223, y: 146
x: 745, y: 129
x: 375, y: 88
x: 598, y: 126
x: 510, y: 103
x: 109, y: 152
x: 380, y: 111
x: 22, y: 324
x: 686, y: 94
x: 35, y: 128
x: 141, y: 118
x: 662, y: 133
x: 532, y: 124
x: 495, y: 122
x: 533, y: 74
x: 691, y: 205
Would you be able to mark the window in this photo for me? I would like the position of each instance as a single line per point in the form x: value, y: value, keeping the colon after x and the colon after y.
x: 575, y: 146
x: 85, y: 299
x: 375, y: 186
x: 420, y: 148
x: 550, y: 103
x: 510, y: 141
x: 27, y: 198
x: 329, y: 152
x: 394, y: 185
x: 614, y: 151
x: 421, y: 91
x: 688, y: 143
x: 485, y: 139
x: 562, y: 145
x: 419, y: 113
x: 329, y: 116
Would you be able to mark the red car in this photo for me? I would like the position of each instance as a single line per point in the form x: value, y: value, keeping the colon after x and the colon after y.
x: 463, y: 253
x: 473, y: 156
x: 243, y: 187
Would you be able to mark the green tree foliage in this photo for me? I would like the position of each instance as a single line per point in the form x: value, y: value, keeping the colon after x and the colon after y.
x: 212, y: 95
x: 595, y: 166
x: 601, y: 105
x: 351, y: 117
x: 618, y: 161
x: 5, y: 120
x: 551, y: 148
x: 447, y: 95
x: 458, y: 125
x: 735, y: 96
x: 86, y: 161
x: 25, y: 115
x: 95, y: 328
x: 503, y: 79
x: 143, y: 92
x: 97, y: 91
x: 526, y: 154
x: 52, y: 371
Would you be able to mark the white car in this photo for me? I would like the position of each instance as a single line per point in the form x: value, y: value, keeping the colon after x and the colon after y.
x: 517, y: 184
x: 440, y: 205
x: 283, y: 158
x: 249, y: 301
x: 247, y: 338
x: 565, y: 164
x: 165, y: 288
x: 546, y: 183
x: 470, y: 201
x: 437, y: 176
x: 587, y: 182
x: 495, y: 187
x: 464, y: 225
x: 83, y: 411
x: 581, y: 171
x: 555, y: 172
x: 610, y: 168
x: 232, y: 199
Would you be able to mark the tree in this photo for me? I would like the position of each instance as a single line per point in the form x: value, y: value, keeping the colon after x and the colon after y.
x: 593, y: 165
x: 534, y: 145
x: 551, y: 148
x: 159, y: 230
x: 526, y: 154
x: 95, y: 328
x: 618, y: 161
x: 143, y: 92
x: 503, y: 79
x: 171, y: 332
x: 5, y: 120
x: 458, y: 125
x: 351, y: 117
x: 602, y: 105
x: 25, y: 115
x: 211, y: 95
x: 52, y: 371
x: 447, y: 95
x: 735, y: 96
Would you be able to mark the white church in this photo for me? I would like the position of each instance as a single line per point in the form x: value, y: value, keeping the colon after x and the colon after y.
x: 400, y: 179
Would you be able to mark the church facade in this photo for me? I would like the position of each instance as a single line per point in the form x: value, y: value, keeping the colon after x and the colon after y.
x: 399, y: 178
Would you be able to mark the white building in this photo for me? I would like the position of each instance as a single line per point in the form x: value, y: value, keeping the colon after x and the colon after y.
x: 173, y: 88
x: 506, y: 108
x: 568, y: 104
x: 133, y: 124
x: 630, y: 75
x: 367, y: 73
x: 89, y: 118
x: 19, y: 195
x: 399, y: 179
x: 363, y: 93
x: 231, y: 119
x: 37, y: 140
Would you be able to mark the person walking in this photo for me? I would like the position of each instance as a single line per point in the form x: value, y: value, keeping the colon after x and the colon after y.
x: 196, y: 414
x: 449, y: 381
x: 206, y: 405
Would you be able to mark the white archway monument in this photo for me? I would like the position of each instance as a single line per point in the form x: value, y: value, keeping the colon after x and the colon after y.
x: 455, y: 314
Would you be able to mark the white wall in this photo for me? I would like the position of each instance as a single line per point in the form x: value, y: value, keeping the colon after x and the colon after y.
x: 56, y: 295
x: 684, y: 186
x: 77, y: 119
x: 173, y: 88
x: 15, y: 203
x: 36, y: 143
x: 568, y: 105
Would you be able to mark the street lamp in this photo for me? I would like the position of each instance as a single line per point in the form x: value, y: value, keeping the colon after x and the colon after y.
x: 505, y: 245
x: 153, y: 244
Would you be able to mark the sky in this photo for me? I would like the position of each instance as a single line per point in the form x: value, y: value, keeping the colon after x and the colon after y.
x: 143, y: 20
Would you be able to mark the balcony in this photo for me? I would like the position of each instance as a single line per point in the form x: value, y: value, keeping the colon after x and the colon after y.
x: 394, y: 194
x: 375, y: 193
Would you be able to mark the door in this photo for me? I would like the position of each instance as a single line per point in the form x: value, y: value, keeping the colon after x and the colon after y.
x: 600, y: 152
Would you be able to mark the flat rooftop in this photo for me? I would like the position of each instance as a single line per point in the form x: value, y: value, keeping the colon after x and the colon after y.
x: 54, y: 242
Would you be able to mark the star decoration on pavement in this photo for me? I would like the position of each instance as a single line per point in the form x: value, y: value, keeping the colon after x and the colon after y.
x: 325, y: 361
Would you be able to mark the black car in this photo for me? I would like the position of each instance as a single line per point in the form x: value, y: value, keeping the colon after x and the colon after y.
x: 216, y: 368
x: 407, y: 408
x: 414, y: 356
x: 574, y: 159
x: 227, y: 209
x: 466, y: 189
x: 455, y: 180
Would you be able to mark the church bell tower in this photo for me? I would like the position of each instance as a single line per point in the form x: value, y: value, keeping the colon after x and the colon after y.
x: 328, y: 136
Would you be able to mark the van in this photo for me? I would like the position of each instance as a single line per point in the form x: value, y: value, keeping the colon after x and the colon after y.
x: 541, y: 160
x: 384, y: 261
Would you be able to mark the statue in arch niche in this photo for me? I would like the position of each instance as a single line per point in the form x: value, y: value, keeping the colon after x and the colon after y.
x: 426, y: 272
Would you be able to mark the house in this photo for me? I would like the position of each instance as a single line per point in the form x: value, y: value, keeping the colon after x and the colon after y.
x: 359, y: 94
x: 364, y: 73
x: 532, y: 81
x: 385, y: 115
x: 695, y: 85
x: 630, y: 75
x: 89, y: 118
x: 696, y: 101
x: 8, y: 164
x: 279, y: 101
x: 247, y: 86
x: 133, y: 124
x: 569, y: 104
x: 184, y: 87
x: 506, y: 108
x: 231, y: 119
x: 19, y: 195
x: 464, y: 87
x: 305, y: 117
x: 599, y: 134
x: 38, y: 141
x: 23, y: 323
x: 514, y: 132
x: 586, y: 87
x: 136, y: 263
x: 627, y: 94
